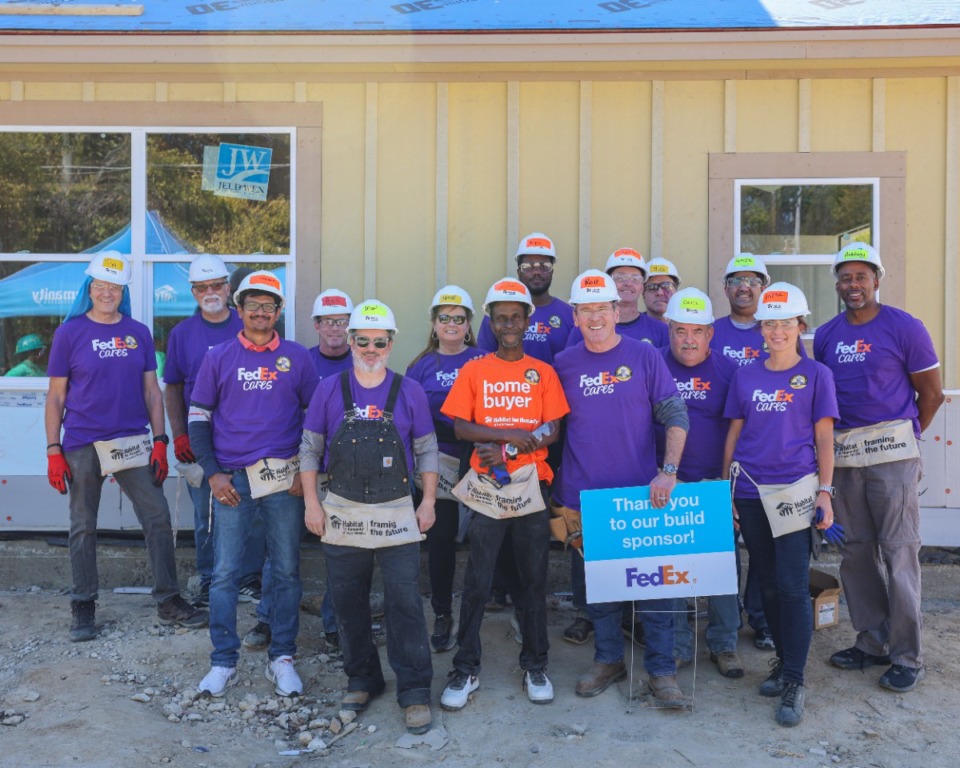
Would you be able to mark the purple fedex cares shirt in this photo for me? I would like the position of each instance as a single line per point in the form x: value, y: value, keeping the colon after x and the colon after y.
x: 188, y: 343
x: 872, y: 363
x: 257, y: 400
x: 779, y: 408
x: 104, y: 366
x: 547, y: 333
x: 641, y: 328
x: 610, y: 438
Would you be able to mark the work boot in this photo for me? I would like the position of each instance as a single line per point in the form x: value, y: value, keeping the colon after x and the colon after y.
x: 579, y: 631
x: 83, y: 626
x: 600, y: 677
x: 312, y: 604
x: 729, y: 664
x: 176, y: 610
x: 667, y: 691
x: 417, y: 718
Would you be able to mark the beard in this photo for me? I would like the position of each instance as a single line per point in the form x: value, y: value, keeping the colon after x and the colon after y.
x: 365, y: 367
x: 212, y: 304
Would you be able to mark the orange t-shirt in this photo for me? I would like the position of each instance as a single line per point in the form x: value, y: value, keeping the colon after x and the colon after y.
x: 508, y: 395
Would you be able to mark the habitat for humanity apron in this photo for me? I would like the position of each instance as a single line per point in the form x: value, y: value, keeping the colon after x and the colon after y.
x: 123, y: 453
x: 789, y: 506
x: 448, y: 477
x: 877, y: 444
x: 521, y: 496
x: 368, y: 501
x: 272, y: 476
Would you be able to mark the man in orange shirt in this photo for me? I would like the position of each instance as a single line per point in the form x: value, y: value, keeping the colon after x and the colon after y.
x: 509, y: 405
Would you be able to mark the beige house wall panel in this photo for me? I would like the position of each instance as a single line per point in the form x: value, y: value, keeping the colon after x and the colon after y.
x: 841, y: 117
x: 767, y: 116
x: 266, y: 91
x: 308, y: 236
x: 201, y: 92
x: 52, y: 91
x: 693, y: 128
x: 549, y: 171
x: 621, y: 145
x: 106, y: 91
x: 916, y: 124
x: 406, y: 205
x: 477, y: 210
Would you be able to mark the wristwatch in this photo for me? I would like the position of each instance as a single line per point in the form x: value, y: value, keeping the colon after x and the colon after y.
x: 670, y: 469
x: 163, y: 438
x: 828, y: 489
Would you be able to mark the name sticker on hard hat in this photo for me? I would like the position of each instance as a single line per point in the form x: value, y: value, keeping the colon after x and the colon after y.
x: 113, y: 264
x: 775, y: 296
x: 265, y: 280
x: 374, y: 310
x: 333, y: 301
x: 744, y: 261
x: 538, y: 242
x: 859, y: 254
x: 594, y: 282
x: 510, y: 286
x: 659, y: 268
x: 627, y: 252
x: 690, y: 302
x: 450, y: 298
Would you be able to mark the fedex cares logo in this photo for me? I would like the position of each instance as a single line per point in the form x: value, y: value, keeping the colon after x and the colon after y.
x: 256, y: 378
x: 771, y: 401
x: 852, y: 353
x: 603, y: 383
x: 369, y: 412
x: 541, y: 331
x: 743, y: 355
x: 693, y: 389
x: 664, y: 576
x: 114, y: 347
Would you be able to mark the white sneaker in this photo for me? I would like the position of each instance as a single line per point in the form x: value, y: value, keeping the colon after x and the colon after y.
x: 217, y: 680
x: 458, y: 690
x: 538, y: 685
x: 281, y: 673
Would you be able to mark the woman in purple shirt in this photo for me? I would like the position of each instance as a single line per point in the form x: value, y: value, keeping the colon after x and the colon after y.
x: 450, y: 345
x: 781, y: 413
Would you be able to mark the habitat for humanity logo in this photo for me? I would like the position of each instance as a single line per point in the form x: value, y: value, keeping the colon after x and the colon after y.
x: 237, y: 170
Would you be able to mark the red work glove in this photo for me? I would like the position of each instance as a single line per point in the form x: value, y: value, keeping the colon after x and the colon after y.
x: 158, y: 461
x: 58, y: 473
x: 182, y: 449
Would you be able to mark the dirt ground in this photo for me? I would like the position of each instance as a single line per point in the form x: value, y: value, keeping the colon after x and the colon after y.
x: 70, y: 704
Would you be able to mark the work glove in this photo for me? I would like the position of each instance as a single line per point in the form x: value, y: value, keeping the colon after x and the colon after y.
x: 834, y: 534
x: 58, y: 472
x: 158, y: 461
x: 182, y: 449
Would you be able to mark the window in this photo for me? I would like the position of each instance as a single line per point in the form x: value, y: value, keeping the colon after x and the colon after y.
x: 156, y: 196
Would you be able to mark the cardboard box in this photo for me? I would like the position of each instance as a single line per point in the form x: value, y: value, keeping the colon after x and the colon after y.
x: 825, y: 596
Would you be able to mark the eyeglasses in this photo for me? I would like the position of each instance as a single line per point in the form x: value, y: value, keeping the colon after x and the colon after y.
x: 628, y: 279
x: 253, y: 306
x: 334, y: 322
x: 99, y: 287
x: 751, y: 282
x: 536, y: 266
x: 363, y: 342
x: 455, y: 319
x: 208, y: 287
x: 792, y: 322
x: 667, y: 286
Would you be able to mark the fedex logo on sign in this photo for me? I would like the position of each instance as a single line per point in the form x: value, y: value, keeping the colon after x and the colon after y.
x: 665, y: 575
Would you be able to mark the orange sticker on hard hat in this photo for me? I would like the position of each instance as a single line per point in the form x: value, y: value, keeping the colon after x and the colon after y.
x: 538, y: 242
x: 269, y: 280
x: 627, y: 253
x: 450, y: 298
x: 510, y: 286
x: 113, y: 264
x: 333, y: 301
x: 592, y: 281
x: 771, y: 297
x: 659, y: 268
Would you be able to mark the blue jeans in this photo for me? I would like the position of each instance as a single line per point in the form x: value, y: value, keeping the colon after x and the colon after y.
x: 282, y: 517
x: 722, y: 626
x: 349, y: 573
x: 327, y: 614
x: 783, y: 566
x: 203, y: 538
x: 531, y: 546
x: 657, y: 619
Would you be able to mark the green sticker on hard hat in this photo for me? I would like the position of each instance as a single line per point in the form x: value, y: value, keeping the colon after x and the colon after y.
x: 856, y: 254
x: 690, y: 302
x: 375, y: 310
x: 744, y: 261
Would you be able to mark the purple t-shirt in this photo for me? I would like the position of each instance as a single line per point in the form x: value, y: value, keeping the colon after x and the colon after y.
x: 610, y: 440
x: 777, y: 443
x: 329, y: 366
x: 104, y: 365
x: 643, y: 328
x: 257, y: 400
x: 411, y: 414
x: 546, y: 335
x: 742, y: 345
x: 704, y: 389
x: 436, y: 374
x: 872, y: 363
x: 188, y: 343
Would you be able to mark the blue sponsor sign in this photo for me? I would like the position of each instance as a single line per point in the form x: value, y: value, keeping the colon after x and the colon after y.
x: 242, y: 171
x: 635, y: 552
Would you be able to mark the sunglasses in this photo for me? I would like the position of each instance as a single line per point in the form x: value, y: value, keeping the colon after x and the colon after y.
x: 215, y: 287
x: 542, y: 266
x: 334, y: 322
x: 455, y: 319
x: 363, y: 342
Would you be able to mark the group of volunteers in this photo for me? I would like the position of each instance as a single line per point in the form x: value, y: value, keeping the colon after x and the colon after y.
x: 490, y: 439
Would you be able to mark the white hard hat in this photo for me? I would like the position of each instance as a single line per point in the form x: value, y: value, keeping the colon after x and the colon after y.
x: 781, y: 301
x: 625, y: 257
x: 111, y: 267
x: 372, y: 315
x: 746, y: 262
x: 332, y: 302
x: 452, y: 295
x: 593, y: 286
x: 261, y: 281
x: 690, y: 305
x: 508, y: 289
x: 859, y: 252
x: 536, y: 244
x: 207, y: 267
x: 659, y: 266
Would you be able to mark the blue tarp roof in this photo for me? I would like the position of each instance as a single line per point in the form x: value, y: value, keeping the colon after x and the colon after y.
x: 479, y: 15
